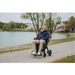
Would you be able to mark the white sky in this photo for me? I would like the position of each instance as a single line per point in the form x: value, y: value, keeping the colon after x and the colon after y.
x: 7, y: 17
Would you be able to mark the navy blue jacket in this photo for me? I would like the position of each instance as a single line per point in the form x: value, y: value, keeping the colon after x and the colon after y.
x: 43, y: 35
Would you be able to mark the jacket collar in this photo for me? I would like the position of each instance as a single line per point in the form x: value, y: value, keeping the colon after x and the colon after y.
x: 43, y: 31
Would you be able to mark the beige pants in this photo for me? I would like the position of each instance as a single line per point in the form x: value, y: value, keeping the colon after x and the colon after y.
x: 37, y: 42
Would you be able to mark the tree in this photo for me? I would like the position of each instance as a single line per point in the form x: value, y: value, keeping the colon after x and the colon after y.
x: 12, y: 24
x: 52, y: 22
x: 41, y: 18
x: 9, y: 27
x: 47, y: 24
x: 36, y: 18
x: 22, y: 26
x: 58, y: 20
x: 66, y: 22
x: 4, y: 27
x: 71, y: 20
x: 1, y: 24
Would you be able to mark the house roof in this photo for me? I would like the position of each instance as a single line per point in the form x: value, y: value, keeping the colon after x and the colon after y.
x: 62, y: 26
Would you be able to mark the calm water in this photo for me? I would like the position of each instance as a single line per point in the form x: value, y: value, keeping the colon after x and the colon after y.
x: 18, y: 38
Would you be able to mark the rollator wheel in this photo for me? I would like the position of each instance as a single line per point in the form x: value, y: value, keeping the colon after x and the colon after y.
x: 31, y: 51
x: 41, y: 54
x: 44, y: 54
x: 49, y: 52
x: 34, y: 55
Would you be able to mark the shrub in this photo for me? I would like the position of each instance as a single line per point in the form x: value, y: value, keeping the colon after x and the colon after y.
x: 4, y: 27
x: 66, y: 30
x: 30, y: 30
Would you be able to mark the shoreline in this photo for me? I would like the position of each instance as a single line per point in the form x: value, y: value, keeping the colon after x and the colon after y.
x: 16, y: 45
x: 28, y: 42
x: 70, y: 37
x: 17, y: 31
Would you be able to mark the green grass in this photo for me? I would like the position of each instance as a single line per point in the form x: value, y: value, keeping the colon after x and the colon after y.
x: 52, y: 42
x: 16, y: 48
x: 68, y: 59
x: 29, y: 46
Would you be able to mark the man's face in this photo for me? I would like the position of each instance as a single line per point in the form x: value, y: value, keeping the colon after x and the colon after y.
x: 43, y: 28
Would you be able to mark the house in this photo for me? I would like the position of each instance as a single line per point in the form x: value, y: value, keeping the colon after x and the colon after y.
x: 71, y: 27
x: 59, y: 25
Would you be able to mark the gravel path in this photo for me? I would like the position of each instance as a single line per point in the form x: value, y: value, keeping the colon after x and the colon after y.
x: 58, y: 51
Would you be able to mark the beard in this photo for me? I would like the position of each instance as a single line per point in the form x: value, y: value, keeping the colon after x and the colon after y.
x: 42, y: 30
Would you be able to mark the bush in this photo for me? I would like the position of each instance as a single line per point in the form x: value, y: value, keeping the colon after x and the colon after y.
x: 11, y: 26
x: 4, y: 27
x: 66, y: 30
x: 30, y: 30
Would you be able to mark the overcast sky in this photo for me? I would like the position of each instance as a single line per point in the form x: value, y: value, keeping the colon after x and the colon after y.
x: 7, y: 17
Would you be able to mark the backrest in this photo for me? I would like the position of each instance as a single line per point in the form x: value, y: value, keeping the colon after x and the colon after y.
x: 47, y: 41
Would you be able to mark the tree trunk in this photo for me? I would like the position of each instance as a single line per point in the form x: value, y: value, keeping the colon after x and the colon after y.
x: 34, y: 25
x: 50, y: 31
x: 55, y: 28
x: 38, y: 23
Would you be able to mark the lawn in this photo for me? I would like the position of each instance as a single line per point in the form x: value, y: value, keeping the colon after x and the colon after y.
x: 68, y: 59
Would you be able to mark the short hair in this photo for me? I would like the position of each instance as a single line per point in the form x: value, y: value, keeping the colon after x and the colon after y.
x: 44, y: 26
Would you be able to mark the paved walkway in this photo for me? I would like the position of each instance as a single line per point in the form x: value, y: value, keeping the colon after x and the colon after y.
x: 58, y: 51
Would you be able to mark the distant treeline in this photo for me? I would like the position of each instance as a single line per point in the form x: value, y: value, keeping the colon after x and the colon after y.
x: 12, y: 26
x: 71, y: 20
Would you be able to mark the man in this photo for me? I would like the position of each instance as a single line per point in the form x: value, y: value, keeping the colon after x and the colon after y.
x: 41, y: 38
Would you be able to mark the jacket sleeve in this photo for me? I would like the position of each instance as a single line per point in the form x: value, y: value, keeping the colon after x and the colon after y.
x: 46, y: 37
x: 37, y: 36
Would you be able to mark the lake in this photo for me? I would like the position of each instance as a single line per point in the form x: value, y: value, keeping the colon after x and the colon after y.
x: 8, y: 39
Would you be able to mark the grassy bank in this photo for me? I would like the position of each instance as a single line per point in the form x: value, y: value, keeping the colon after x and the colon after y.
x: 29, y: 46
x: 52, y: 42
x: 68, y: 59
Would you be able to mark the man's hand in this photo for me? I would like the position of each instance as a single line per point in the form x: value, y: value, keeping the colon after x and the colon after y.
x: 34, y: 37
x: 40, y: 40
